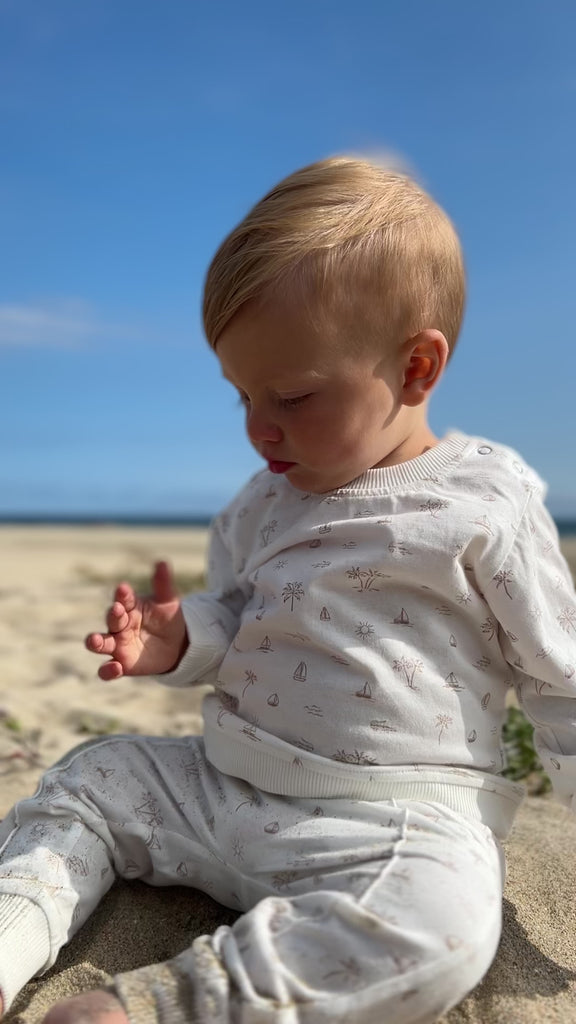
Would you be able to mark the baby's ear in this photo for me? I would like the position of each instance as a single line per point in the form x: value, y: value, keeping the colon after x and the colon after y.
x: 425, y: 357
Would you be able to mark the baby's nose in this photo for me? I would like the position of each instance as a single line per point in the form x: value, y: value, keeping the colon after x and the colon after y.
x: 261, y: 428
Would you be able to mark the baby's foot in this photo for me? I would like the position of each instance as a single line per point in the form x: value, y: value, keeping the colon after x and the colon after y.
x: 97, y: 1007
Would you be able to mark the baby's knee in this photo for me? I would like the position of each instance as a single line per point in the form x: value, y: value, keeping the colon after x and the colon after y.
x: 111, y: 746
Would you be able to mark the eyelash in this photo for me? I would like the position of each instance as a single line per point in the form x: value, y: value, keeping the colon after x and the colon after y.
x: 291, y: 402
x: 285, y: 403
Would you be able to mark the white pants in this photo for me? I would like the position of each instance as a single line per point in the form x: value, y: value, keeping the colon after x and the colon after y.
x: 367, y: 912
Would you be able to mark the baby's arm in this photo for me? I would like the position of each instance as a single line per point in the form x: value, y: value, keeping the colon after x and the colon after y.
x: 532, y: 597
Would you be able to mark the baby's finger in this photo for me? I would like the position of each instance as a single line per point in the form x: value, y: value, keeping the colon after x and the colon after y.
x: 101, y: 644
x: 117, y: 618
x: 110, y: 670
x: 124, y: 593
x: 163, y: 587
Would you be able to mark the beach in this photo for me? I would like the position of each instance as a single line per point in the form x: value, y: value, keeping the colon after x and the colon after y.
x: 56, y: 584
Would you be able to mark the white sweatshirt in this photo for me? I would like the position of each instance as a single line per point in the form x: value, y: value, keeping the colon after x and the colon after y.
x: 367, y: 636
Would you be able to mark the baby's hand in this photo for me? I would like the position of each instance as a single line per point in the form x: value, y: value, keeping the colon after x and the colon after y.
x: 146, y: 635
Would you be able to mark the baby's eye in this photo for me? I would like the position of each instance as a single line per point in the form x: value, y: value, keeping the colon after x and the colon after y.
x: 243, y: 399
x: 288, y: 403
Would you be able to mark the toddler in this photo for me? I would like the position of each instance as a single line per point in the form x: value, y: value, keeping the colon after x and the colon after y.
x: 373, y: 594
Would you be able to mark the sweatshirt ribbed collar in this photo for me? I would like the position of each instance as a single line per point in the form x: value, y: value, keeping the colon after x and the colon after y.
x: 424, y: 466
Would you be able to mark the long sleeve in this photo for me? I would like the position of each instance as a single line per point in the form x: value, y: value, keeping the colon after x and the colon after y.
x: 212, y: 618
x: 532, y: 597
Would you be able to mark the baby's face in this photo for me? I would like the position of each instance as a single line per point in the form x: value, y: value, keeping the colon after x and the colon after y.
x: 314, y: 412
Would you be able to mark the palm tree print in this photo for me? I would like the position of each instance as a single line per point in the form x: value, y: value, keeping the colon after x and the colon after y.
x: 251, y: 678
x: 267, y: 531
x: 434, y: 506
x: 503, y: 578
x: 567, y: 619
x: 366, y: 578
x: 443, y: 722
x: 228, y: 706
x: 408, y: 667
x: 293, y: 592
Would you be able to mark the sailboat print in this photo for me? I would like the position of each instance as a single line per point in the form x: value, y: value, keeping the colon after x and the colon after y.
x: 402, y: 619
x: 301, y: 673
x: 452, y: 683
x: 365, y: 692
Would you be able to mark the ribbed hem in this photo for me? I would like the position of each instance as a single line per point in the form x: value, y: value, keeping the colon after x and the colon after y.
x: 279, y: 767
x: 24, y: 944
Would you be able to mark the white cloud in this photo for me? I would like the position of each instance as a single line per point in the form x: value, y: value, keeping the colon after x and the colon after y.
x: 68, y: 323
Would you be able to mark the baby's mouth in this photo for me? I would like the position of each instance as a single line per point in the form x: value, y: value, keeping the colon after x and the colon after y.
x: 277, y: 466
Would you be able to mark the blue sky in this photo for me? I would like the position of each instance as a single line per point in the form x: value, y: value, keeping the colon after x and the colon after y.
x: 136, y: 133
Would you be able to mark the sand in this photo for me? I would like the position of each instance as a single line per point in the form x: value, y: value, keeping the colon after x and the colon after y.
x: 55, y: 586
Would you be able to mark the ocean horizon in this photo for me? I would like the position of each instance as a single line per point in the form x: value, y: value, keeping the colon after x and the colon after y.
x: 566, y: 525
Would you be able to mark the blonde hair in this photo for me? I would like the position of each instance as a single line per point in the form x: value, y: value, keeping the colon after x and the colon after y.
x: 348, y: 237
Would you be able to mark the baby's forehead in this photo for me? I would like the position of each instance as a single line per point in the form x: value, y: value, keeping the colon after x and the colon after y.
x: 277, y: 343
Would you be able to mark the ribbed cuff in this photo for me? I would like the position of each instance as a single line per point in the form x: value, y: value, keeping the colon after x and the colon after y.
x: 159, y: 994
x: 24, y: 944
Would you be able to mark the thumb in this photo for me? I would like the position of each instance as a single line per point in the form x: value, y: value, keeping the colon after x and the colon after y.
x: 163, y: 587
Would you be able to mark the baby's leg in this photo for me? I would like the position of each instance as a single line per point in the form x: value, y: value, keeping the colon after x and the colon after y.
x: 399, y: 928
x: 128, y: 806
